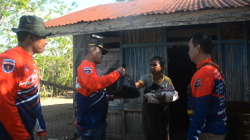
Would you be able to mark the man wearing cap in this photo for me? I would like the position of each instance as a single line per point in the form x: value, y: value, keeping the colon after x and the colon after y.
x: 92, y: 105
x: 20, y: 106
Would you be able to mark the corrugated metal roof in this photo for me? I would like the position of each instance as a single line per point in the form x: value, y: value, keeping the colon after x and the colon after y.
x: 141, y: 7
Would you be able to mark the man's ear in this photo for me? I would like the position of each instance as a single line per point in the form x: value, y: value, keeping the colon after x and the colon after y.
x: 198, y: 47
x: 30, y: 38
x: 92, y: 50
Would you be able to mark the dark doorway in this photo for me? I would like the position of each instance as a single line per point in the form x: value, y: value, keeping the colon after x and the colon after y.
x: 180, y: 71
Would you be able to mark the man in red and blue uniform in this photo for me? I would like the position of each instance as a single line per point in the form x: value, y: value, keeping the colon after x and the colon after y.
x: 207, y: 103
x: 92, y: 100
x: 20, y: 108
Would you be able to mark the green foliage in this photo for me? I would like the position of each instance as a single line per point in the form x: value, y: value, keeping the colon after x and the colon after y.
x: 56, y: 62
x: 12, y: 10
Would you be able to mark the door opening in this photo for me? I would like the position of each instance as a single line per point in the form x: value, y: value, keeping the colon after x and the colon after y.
x: 180, y: 71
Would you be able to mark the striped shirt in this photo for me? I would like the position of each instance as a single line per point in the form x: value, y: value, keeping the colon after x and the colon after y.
x: 20, y: 106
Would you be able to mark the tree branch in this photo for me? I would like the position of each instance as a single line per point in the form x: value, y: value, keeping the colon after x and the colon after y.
x: 55, y: 85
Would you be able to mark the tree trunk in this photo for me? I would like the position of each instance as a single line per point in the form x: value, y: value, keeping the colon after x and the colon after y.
x: 44, y: 91
x: 69, y: 70
x: 51, y: 91
x: 43, y: 68
x: 57, y: 92
x: 53, y: 75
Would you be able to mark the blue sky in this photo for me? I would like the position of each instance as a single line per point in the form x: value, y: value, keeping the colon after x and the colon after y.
x: 82, y: 4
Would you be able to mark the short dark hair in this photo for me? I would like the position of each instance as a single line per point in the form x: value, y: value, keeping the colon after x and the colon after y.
x: 87, y: 49
x: 204, y: 40
x: 21, y: 36
x: 161, y: 61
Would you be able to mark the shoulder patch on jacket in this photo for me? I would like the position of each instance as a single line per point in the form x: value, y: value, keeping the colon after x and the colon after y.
x: 87, y: 70
x: 8, y: 65
x: 198, y: 84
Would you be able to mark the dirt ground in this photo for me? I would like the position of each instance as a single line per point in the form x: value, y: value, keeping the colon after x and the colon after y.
x: 59, y: 116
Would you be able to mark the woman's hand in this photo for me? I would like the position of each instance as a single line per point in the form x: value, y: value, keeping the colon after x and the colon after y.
x: 139, y: 85
x: 160, y: 97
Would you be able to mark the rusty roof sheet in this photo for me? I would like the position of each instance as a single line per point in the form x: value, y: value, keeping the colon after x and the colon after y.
x: 141, y: 7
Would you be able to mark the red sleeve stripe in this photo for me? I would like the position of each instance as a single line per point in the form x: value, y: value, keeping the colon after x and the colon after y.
x: 216, y: 95
x: 98, y: 94
x: 41, y: 133
x: 78, y: 125
x: 28, y: 94
x: 29, y: 138
x: 32, y: 105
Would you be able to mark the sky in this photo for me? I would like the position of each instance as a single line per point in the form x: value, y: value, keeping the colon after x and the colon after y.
x: 82, y: 4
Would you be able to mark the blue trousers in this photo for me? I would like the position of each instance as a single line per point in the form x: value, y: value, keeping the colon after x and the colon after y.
x: 97, y: 133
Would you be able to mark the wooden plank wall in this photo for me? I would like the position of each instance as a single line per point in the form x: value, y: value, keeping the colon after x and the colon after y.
x: 233, y: 71
x: 137, y: 58
x: 127, y: 123
x: 233, y: 59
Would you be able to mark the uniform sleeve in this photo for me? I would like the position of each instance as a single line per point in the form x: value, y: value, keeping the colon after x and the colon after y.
x: 202, y: 86
x: 10, y: 73
x: 40, y: 124
x: 93, y: 82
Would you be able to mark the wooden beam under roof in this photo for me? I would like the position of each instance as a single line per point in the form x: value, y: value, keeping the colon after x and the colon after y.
x: 152, y: 21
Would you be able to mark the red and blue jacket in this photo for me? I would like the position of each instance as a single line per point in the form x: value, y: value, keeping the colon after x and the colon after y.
x: 92, y: 105
x: 207, y: 104
x: 20, y: 108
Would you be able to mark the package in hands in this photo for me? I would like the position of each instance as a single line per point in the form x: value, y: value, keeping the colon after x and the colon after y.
x: 170, y: 96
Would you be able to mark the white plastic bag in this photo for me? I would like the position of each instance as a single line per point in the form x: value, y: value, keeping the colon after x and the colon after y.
x: 170, y: 96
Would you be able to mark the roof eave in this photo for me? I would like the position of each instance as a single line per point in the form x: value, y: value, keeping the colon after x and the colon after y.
x: 155, y: 20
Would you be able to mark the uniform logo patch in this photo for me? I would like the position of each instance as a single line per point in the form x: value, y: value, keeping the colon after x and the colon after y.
x: 87, y: 70
x: 198, y: 83
x: 8, y: 65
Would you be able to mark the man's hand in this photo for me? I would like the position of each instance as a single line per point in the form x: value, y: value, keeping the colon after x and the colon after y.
x: 43, y: 137
x: 121, y: 70
x: 112, y: 97
x: 128, y: 75
x: 116, y: 97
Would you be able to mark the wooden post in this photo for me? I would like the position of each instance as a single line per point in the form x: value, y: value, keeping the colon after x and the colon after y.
x: 245, y: 74
x: 122, y: 100
x: 165, y: 56
x: 165, y: 51
x: 219, y: 45
x: 78, y: 43
x: 74, y: 72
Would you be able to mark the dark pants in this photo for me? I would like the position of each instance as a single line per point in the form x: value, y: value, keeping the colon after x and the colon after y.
x: 97, y: 133
x: 209, y: 136
x: 155, y: 122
